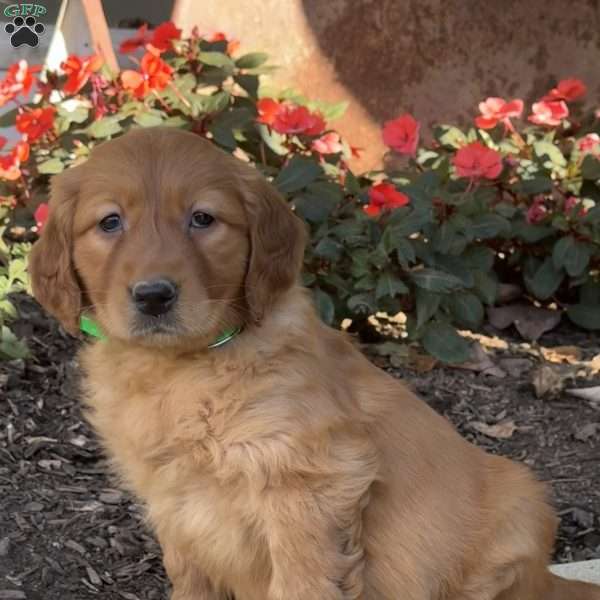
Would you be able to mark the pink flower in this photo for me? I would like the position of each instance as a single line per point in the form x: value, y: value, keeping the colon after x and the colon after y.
x: 384, y: 196
x: 537, y: 211
x: 298, y: 119
x: 495, y: 110
x: 41, y: 215
x: 549, y: 113
x: 329, y: 143
x: 402, y: 134
x: 567, y: 90
x: 475, y: 161
x: 588, y: 143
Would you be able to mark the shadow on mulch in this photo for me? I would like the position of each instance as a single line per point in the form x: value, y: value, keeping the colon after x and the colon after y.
x: 67, y: 532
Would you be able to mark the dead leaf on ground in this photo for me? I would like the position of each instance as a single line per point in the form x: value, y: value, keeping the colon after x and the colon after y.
x: 584, y: 433
x: 591, y: 394
x: 420, y: 362
x: 531, y: 322
x: 499, y: 431
x: 550, y: 379
x: 481, y: 362
x: 562, y: 354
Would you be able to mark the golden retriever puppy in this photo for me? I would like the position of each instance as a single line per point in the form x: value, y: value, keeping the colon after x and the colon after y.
x: 275, y: 461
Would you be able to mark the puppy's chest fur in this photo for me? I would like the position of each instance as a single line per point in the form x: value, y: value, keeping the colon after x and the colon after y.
x: 176, y: 434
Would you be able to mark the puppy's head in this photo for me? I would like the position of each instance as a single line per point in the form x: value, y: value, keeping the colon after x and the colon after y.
x: 164, y: 238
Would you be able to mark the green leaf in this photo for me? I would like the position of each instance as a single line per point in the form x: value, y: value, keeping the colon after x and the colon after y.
x: 10, y: 346
x: 545, y: 281
x: 444, y: 237
x: 313, y: 208
x: 325, y: 305
x: 251, y: 60
x: 544, y: 149
x: 433, y: 280
x: 249, y: 83
x: 364, y: 304
x: 390, y: 285
x: 467, y: 309
x: 405, y: 252
x: 427, y: 304
x: 486, y: 286
x: 51, y: 166
x: 273, y: 140
x: 444, y: 343
x: 9, y: 118
x: 455, y: 265
x: 536, y: 185
x: 488, y: 226
x: 585, y: 315
x: 450, y: 136
x: 149, y: 118
x: 531, y: 233
x: 105, y: 127
x: 329, y: 249
x: 67, y: 117
x: 479, y: 257
x: 572, y: 255
x: 297, y: 174
x: 590, y: 168
x: 589, y: 293
x: 217, y: 59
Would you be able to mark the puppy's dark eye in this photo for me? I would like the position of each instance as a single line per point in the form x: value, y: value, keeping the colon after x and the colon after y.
x: 201, y: 220
x: 111, y: 223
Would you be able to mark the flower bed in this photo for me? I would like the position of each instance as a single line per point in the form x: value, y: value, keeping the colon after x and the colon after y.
x: 438, y: 235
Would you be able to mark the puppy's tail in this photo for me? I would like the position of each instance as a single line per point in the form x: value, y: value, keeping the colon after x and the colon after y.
x: 565, y: 589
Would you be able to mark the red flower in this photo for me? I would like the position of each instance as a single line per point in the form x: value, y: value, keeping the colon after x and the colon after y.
x: 402, y: 134
x: 298, y: 119
x: 267, y: 110
x: 537, y: 211
x: 384, y: 196
x: 137, y: 41
x: 35, y: 123
x: 329, y: 143
x: 19, y: 79
x: 567, y: 90
x: 163, y: 35
x: 41, y: 215
x: 156, y: 75
x: 3, y: 141
x: 476, y: 161
x: 549, y: 113
x: 588, y: 143
x: 78, y: 71
x: 10, y: 163
x: 495, y: 110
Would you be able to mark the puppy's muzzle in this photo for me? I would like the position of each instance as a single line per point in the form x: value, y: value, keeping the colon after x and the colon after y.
x: 154, y: 297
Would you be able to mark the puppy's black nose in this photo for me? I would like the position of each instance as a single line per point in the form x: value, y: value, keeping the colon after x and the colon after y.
x: 155, y: 297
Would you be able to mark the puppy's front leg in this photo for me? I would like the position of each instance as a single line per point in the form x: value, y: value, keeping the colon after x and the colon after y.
x: 315, y: 553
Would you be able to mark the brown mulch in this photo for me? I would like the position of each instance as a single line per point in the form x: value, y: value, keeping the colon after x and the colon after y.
x: 68, y: 533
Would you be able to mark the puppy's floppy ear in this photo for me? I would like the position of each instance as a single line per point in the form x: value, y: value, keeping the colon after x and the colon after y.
x: 277, y: 242
x: 53, y: 279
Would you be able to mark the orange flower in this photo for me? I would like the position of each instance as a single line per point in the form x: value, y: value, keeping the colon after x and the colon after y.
x: 267, y: 110
x: 156, y: 75
x: 476, y: 161
x: 384, y: 196
x: 10, y: 163
x: 549, y: 113
x: 495, y: 110
x: 402, y: 134
x: 78, y: 71
x: 35, y: 123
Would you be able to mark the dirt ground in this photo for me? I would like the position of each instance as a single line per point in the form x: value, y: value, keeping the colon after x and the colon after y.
x: 67, y: 533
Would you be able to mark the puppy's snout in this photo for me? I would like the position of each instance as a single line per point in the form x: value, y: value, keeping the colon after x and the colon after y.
x: 154, y: 297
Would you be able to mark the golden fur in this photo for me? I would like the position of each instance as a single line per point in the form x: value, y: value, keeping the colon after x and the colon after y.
x: 282, y: 465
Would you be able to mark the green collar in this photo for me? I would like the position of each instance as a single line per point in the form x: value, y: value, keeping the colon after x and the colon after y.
x: 89, y: 326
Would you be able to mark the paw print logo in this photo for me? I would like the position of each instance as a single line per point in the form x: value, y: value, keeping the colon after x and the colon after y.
x: 24, y: 31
